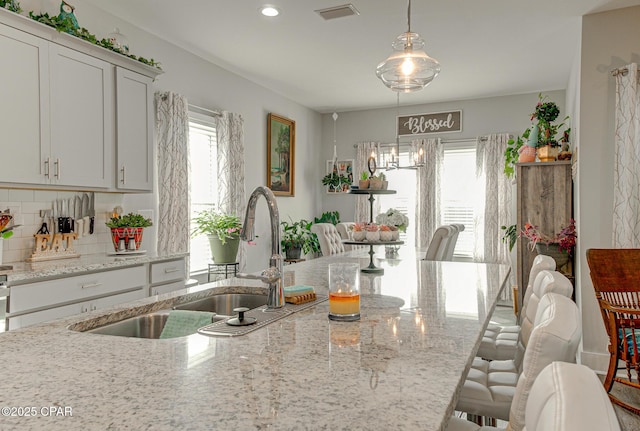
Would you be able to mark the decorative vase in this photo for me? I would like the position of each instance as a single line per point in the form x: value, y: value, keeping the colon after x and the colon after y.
x: 553, y: 250
x: 527, y: 154
x: 363, y: 184
x: 359, y: 235
x: 385, y: 184
x: 395, y: 235
x: 293, y: 252
x: 547, y: 153
x: 375, y: 184
x: 127, y: 234
x: 373, y: 236
x: 385, y: 235
x: 224, y: 253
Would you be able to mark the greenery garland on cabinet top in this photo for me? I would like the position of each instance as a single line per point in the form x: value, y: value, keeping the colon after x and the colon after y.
x: 66, y: 24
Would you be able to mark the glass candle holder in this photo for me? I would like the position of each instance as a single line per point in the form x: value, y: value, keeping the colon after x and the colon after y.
x: 344, y: 291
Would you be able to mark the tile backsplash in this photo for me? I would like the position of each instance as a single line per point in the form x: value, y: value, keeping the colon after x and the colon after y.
x: 25, y: 206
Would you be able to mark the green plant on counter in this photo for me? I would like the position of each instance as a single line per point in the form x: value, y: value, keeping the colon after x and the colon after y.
x: 297, y: 235
x: 210, y: 222
x: 129, y: 220
x: 66, y: 25
x: 364, y: 176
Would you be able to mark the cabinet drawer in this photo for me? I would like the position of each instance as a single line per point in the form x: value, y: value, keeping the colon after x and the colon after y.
x: 71, y: 309
x: 166, y: 288
x: 164, y: 272
x: 73, y: 289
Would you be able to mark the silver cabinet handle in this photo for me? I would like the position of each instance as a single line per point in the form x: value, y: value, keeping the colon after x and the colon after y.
x: 122, y: 170
x: 57, y: 172
x: 170, y: 270
x: 88, y: 286
x: 46, y: 167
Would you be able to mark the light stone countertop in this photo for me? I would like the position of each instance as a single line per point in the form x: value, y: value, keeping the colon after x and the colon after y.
x: 25, y: 272
x: 400, y: 367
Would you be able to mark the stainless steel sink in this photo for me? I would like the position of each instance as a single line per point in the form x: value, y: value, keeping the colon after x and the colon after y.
x: 145, y: 326
x: 150, y: 325
x: 225, y: 303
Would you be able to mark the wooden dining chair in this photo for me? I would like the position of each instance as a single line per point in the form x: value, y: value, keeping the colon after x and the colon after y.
x: 616, y: 279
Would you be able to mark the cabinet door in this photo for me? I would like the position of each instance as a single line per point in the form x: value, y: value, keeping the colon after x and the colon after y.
x: 81, y: 118
x: 24, y: 121
x: 134, y: 143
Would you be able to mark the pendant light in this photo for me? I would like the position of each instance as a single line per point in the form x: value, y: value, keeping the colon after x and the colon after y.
x: 409, y: 68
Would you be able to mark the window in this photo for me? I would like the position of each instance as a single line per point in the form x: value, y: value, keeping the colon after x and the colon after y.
x: 203, y: 182
x: 459, y: 192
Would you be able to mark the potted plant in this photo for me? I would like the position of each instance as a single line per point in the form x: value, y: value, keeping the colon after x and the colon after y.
x: 363, y: 183
x: 546, y: 113
x: 393, y: 217
x: 375, y: 182
x: 335, y: 182
x: 126, y: 231
x: 559, y: 246
x: 296, y: 238
x: 223, y: 231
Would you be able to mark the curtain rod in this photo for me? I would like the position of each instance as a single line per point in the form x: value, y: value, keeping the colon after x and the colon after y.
x: 620, y: 71
x: 205, y: 110
x: 442, y: 141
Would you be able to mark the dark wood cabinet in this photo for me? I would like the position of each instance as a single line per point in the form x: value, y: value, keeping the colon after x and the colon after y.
x: 545, y: 198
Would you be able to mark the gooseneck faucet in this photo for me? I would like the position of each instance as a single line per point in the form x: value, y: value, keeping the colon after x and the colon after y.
x: 273, y: 275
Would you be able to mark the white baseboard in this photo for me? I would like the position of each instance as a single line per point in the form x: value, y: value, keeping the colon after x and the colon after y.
x: 598, y: 362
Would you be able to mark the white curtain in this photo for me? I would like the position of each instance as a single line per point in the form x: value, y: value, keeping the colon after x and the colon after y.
x: 493, y: 210
x: 172, y: 137
x: 428, y: 192
x: 362, y: 213
x: 626, y: 176
x: 230, y: 135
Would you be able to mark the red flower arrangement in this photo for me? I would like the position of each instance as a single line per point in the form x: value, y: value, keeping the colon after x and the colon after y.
x: 566, y: 238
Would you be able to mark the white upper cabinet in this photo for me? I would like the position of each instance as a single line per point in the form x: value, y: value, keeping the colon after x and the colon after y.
x: 24, y: 121
x: 82, y: 123
x: 66, y: 118
x: 134, y: 131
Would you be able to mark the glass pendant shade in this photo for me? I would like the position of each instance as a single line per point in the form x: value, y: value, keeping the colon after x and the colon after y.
x: 409, y: 68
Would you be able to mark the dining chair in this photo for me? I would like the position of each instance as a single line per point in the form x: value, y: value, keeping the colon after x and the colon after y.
x: 555, y: 337
x: 563, y: 397
x: 616, y: 279
x: 345, y: 229
x: 329, y: 238
x: 439, y: 242
x: 451, y: 244
x: 500, y: 342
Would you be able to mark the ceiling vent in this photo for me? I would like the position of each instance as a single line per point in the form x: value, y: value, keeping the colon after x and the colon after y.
x: 338, y: 11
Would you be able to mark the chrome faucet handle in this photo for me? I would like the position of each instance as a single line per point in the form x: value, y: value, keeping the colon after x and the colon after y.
x: 269, y: 275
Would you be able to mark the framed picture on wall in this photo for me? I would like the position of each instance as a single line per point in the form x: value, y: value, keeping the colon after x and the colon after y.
x: 281, y: 139
x: 343, y: 168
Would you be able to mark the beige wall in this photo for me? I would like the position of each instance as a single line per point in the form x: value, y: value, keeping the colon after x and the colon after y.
x: 609, y: 40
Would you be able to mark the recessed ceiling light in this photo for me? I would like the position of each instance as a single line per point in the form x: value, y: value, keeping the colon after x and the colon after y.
x: 269, y: 10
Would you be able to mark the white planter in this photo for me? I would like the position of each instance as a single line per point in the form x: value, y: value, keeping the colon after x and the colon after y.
x: 373, y: 236
x: 386, y: 235
x: 359, y: 235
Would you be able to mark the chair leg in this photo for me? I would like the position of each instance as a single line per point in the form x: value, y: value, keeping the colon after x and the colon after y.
x: 475, y: 419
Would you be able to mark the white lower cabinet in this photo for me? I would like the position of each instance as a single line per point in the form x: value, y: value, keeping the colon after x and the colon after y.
x: 45, y: 300
x: 69, y: 310
x: 165, y: 277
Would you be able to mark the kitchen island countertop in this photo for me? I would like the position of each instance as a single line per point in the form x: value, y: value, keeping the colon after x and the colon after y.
x: 400, y: 367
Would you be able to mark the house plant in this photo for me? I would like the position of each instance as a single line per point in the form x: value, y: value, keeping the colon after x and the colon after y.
x: 335, y: 182
x: 363, y: 183
x: 296, y: 238
x: 393, y: 217
x: 223, y: 231
x: 127, y: 229
x: 559, y: 246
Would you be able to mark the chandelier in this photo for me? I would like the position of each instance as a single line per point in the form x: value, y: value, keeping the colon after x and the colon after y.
x: 390, y: 156
x: 408, y: 68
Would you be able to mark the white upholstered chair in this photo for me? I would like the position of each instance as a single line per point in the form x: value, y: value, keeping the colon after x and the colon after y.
x: 564, y: 397
x: 490, y: 391
x: 451, y: 244
x: 345, y: 229
x: 437, y: 249
x: 329, y: 238
x: 500, y: 342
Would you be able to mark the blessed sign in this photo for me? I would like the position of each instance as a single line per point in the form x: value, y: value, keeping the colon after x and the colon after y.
x: 435, y: 122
